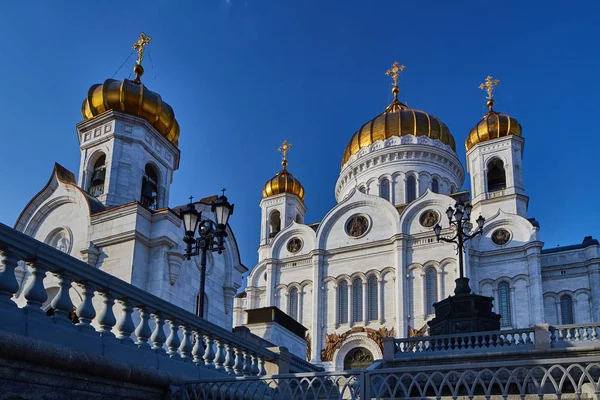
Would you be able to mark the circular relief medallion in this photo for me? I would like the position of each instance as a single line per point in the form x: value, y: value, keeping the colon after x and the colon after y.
x: 500, y: 237
x: 357, y: 225
x: 429, y: 218
x: 294, y: 245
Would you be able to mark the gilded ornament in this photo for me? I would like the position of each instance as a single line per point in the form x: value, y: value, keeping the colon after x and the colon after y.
x: 357, y: 225
x: 294, y: 245
x: 501, y: 236
x: 429, y: 218
x: 334, y: 341
x: 140, y: 45
x: 283, y: 182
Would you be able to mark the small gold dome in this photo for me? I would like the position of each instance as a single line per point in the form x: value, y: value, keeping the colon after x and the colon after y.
x: 283, y: 182
x: 132, y: 98
x: 398, y: 120
x: 493, y: 125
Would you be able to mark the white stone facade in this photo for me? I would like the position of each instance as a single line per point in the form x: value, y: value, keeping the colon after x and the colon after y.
x: 112, y: 231
x: 394, y: 270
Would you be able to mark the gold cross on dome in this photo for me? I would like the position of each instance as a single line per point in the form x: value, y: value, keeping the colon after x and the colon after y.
x: 396, y: 68
x: 140, y: 45
x: 488, y: 86
x: 284, y: 149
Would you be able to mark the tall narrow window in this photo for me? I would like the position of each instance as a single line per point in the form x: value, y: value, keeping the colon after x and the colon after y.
x: 293, y: 306
x: 372, y: 298
x: 149, y: 196
x: 496, y: 176
x: 430, y: 289
x: 362, y: 189
x: 504, y: 304
x: 566, y: 310
x: 343, y: 303
x: 275, y: 223
x: 411, y: 189
x: 357, y: 293
x: 435, y: 185
x: 384, y: 189
x: 98, y: 175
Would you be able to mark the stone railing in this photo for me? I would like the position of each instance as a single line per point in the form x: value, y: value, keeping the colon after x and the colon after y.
x: 514, y: 339
x: 575, y: 335
x: 163, y: 333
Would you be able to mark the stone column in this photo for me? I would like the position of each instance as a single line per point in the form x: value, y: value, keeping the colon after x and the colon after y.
x: 300, y: 304
x: 400, y: 287
x: 513, y: 309
x: 270, y: 268
x: 380, y: 300
x: 365, y: 300
x: 594, y: 276
x: 350, y: 305
x: 317, y: 315
x: 535, y: 281
x: 440, y: 285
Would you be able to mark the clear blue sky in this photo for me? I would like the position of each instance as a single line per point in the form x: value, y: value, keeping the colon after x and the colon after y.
x: 242, y: 76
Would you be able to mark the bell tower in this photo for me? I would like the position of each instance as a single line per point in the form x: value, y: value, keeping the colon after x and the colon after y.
x: 128, y: 141
x: 494, y: 161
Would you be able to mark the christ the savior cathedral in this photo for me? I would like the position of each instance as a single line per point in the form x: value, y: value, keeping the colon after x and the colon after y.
x: 372, y: 266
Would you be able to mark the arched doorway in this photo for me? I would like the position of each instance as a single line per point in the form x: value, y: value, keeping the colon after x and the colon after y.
x: 358, y: 358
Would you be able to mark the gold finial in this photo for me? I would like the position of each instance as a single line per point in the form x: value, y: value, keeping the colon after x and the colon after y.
x: 488, y: 86
x: 139, y: 47
x: 284, y: 149
x: 396, y: 68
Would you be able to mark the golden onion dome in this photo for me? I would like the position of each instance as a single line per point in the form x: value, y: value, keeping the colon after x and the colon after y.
x: 398, y: 120
x: 132, y: 97
x: 283, y: 182
x: 493, y: 125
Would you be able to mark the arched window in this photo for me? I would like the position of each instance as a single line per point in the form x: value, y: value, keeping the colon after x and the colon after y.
x: 357, y: 310
x: 343, y: 303
x: 275, y: 223
x: 98, y: 175
x: 384, y: 189
x: 149, y: 196
x: 496, y: 176
x: 504, y: 304
x: 435, y: 185
x: 293, y: 306
x: 566, y: 310
x: 430, y: 290
x: 372, y: 298
x: 411, y: 189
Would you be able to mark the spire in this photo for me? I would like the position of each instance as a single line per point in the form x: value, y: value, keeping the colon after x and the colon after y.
x: 394, y: 73
x: 139, y: 46
x: 284, y: 149
x: 488, y: 86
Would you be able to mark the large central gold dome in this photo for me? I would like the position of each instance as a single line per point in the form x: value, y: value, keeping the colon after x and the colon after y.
x: 398, y: 120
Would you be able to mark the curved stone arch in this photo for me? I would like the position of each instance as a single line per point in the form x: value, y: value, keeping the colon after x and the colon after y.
x: 305, y: 283
x: 370, y: 186
x: 354, y: 200
x: 504, y: 279
x: 513, y: 222
x: 551, y: 295
x: 330, y: 279
x: 281, y: 286
x: 585, y: 291
x: 414, y: 266
x: 447, y: 184
x: 490, y: 157
x: 565, y: 292
x: 41, y: 213
x: 387, y: 270
x: 358, y: 275
x: 292, y: 285
x: 256, y: 274
x: 426, y: 200
x: 306, y: 233
x: 101, y: 150
x: 447, y: 262
x: 518, y: 278
x: 353, y: 341
x: 431, y: 264
x: 383, y: 176
x: 373, y: 272
x: 486, y: 282
x: 343, y: 277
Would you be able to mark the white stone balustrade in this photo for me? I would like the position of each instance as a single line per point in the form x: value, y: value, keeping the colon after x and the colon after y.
x: 191, y: 340
x: 575, y: 335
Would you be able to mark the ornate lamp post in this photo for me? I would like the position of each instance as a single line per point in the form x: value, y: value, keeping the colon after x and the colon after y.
x: 210, y: 235
x: 465, y: 311
x: 462, y: 224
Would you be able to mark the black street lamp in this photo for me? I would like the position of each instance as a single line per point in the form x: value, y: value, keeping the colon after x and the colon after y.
x: 210, y: 235
x: 462, y: 224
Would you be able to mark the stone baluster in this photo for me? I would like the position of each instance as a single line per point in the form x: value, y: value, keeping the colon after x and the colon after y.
x: 186, y: 344
x: 209, y: 354
x: 585, y: 335
x: 8, y: 280
x: 158, y: 337
x: 125, y: 325
x: 173, y: 341
x: 594, y: 333
x: 198, y: 349
x: 85, y: 312
x: 238, y: 367
x: 106, y: 318
x: 229, y: 359
x: 254, y: 367
x: 62, y: 303
x: 143, y: 331
x: 220, y: 358
x: 247, y: 362
x: 261, y: 369
x: 568, y: 337
x: 35, y: 293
